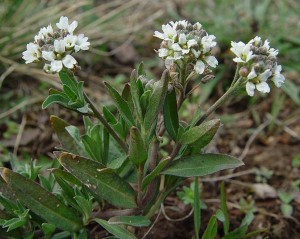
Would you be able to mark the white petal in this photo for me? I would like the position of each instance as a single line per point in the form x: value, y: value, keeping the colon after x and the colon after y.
x: 59, y: 46
x: 250, y: 87
x: 265, y: 75
x: 278, y: 80
x: 182, y: 39
x: 63, y: 23
x: 191, y: 43
x: 199, y: 67
x: 196, y: 53
x: 237, y: 60
x: 211, y: 60
x: 263, y: 87
x: 72, y: 27
x: 159, y: 35
x: 48, y: 55
x: 69, y: 61
x: 56, y: 66
x: 176, y: 47
x: 252, y: 74
x: 163, y: 52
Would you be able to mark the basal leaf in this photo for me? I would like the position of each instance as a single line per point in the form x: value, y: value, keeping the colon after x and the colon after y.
x: 201, y: 165
x: 101, y: 181
x: 135, y: 221
x: 67, y: 141
x: 211, y: 229
x: 116, y: 230
x: 42, y: 202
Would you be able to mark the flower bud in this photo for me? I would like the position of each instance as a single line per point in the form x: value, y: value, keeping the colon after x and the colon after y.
x: 244, y: 71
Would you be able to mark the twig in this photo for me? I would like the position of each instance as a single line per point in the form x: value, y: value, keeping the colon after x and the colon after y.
x: 175, y: 219
x: 6, y: 73
x: 19, y: 136
x: 153, y: 224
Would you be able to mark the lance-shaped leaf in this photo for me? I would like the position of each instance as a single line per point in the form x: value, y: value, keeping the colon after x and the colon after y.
x: 67, y: 141
x: 42, y: 202
x: 121, y: 104
x: 101, y: 181
x: 149, y: 178
x: 136, y: 221
x: 136, y: 93
x: 116, y: 230
x: 201, y: 165
x: 211, y: 229
x: 157, y: 99
x: 137, y: 151
x: 201, y: 135
x: 171, y: 115
x: 60, y: 98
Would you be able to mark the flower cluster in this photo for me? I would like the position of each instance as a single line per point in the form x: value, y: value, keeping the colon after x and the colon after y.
x: 56, y: 47
x: 258, y: 64
x: 183, y: 41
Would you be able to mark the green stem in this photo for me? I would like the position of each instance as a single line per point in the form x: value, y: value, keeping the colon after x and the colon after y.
x: 105, y: 124
x: 197, y: 208
x: 140, y: 180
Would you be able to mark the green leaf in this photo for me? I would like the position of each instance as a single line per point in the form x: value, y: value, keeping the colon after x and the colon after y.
x: 201, y: 135
x: 109, y: 116
x: 156, y: 100
x: 201, y: 165
x: 171, y: 115
x: 70, y: 93
x: 67, y: 141
x: 101, y: 181
x: 137, y: 151
x: 55, y: 98
x: 116, y: 230
x: 226, y: 222
x: 149, y: 178
x: 67, y: 78
x: 286, y: 209
x: 211, y: 229
x: 136, y: 94
x: 122, y: 105
x: 144, y: 100
x: 92, y: 148
x: 42, y: 202
x: 197, y: 208
x: 141, y: 69
x: 85, y: 206
x: 135, y: 221
x: 237, y: 233
x: 48, y: 228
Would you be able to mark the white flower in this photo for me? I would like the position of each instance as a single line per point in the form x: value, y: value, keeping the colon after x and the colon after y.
x: 81, y: 43
x: 183, y: 23
x: 197, y: 25
x: 278, y: 78
x: 273, y: 52
x: 60, y: 46
x: 208, y: 43
x: 70, y: 41
x: 44, y: 33
x: 63, y: 24
x: 258, y: 81
x: 169, y: 33
x: 242, y: 51
x: 68, y: 61
x: 200, y: 65
x: 32, y: 54
x: 255, y: 41
x: 163, y: 52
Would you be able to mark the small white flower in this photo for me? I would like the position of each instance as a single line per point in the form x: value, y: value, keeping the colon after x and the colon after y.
x: 258, y: 81
x: 60, y: 46
x: 191, y: 43
x: 70, y: 41
x: 81, y: 43
x: 199, y: 67
x: 48, y: 55
x: 63, y: 24
x: 196, y: 53
x: 197, y: 25
x: 255, y: 41
x: 242, y: 51
x: 273, y: 52
x: 278, y: 78
x: 47, y: 69
x: 32, y: 54
x: 163, y: 52
x: 169, y: 33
